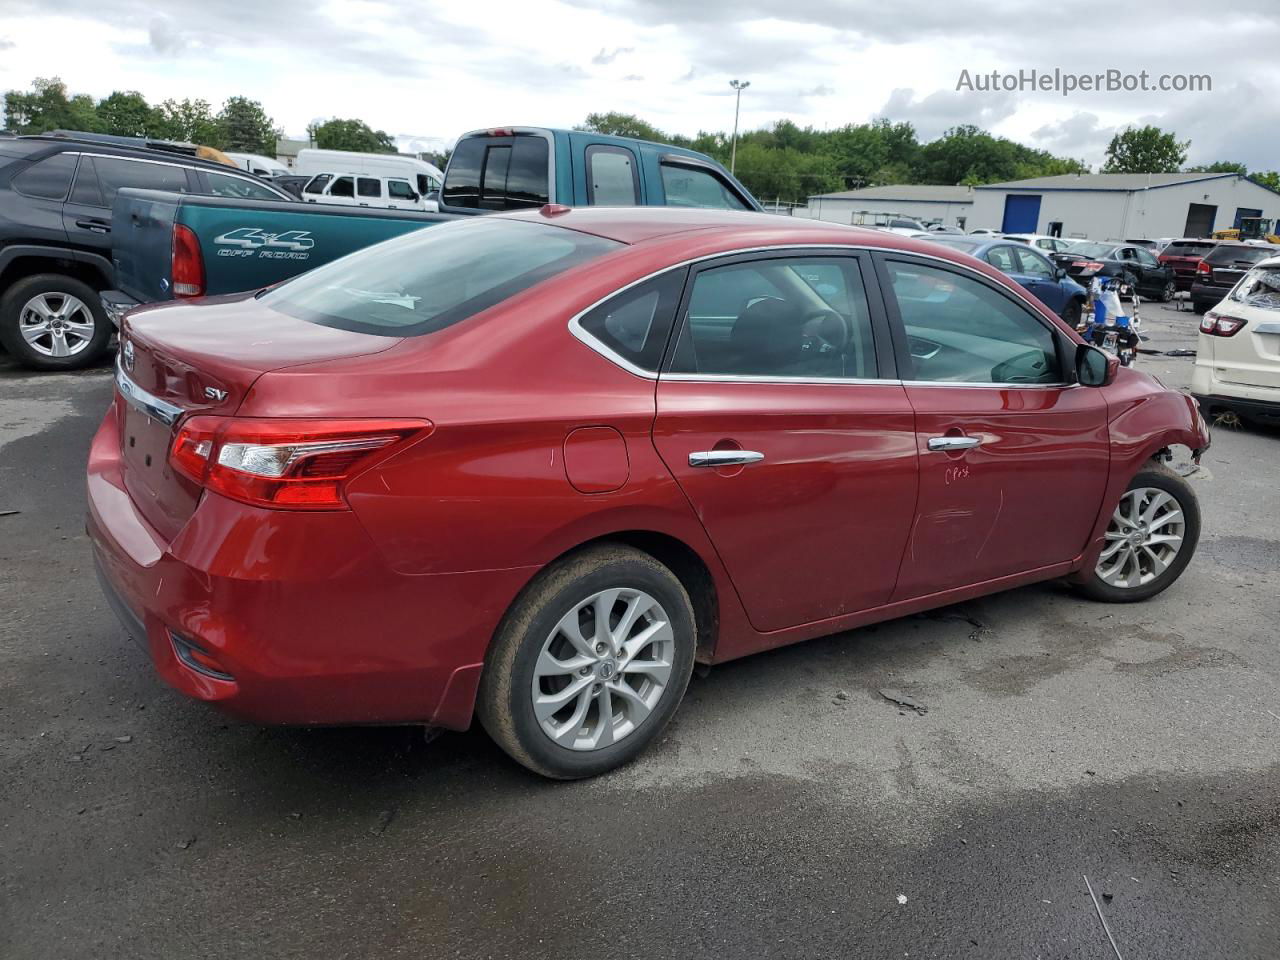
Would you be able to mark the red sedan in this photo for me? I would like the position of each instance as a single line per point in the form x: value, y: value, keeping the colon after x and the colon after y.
x: 532, y: 467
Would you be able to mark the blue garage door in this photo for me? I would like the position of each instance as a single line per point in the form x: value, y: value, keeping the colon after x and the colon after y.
x: 1021, y: 213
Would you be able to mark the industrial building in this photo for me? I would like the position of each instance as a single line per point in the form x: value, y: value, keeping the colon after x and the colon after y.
x: 924, y: 202
x: 1117, y: 206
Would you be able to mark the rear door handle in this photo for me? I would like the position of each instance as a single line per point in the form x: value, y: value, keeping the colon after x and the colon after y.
x: 97, y: 226
x: 724, y: 458
x: 954, y: 443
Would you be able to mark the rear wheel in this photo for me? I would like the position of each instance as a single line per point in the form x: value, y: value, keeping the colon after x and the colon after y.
x: 1168, y: 292
x: 589, y: 664
x: 1071, y: 313
x: 53, y: 322
x: 1150, y: 539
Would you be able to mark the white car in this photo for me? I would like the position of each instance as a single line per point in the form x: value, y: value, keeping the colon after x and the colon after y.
x: 361, y: 190
x: 1050, y: 245
x: 985, y: 232
x: 1237, y: 371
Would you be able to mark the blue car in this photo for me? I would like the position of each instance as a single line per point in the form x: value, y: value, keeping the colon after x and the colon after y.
x: 1030, y: 268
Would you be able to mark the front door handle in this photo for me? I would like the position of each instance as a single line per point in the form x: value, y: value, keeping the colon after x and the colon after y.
x: 97, y: 226
x: 724, y: 458
x: 954, y: 443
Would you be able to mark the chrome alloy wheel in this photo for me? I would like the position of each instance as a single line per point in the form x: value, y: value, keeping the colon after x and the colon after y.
x: 1143, y: 538
x: 603, y: 669
x: 56, y: 324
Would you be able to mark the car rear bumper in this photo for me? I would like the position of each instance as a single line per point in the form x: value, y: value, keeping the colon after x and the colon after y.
x: 295, y: 617
x: 1208, y: 293
x: 1215, y: 395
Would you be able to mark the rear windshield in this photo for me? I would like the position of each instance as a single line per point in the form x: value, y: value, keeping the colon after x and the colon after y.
x: 1241, y: 254
x: 1092, y: 249
x: 497, y: 173
x: 1260, y: 287
x: 431, y: 278
x: 1189, y: 248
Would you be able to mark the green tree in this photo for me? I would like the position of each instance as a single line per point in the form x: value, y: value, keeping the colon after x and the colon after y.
x: 622, y: 125
x: 1145, y: 150
x: 351, y: 135
x: 1266, y: 178
x: 127, y: 114
x: 1221, y: 166
x: 244, y: 126
x: 190, y: 121
x: 46, y: 107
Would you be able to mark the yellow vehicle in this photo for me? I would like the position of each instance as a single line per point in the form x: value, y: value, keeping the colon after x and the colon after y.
x: 1251, y: 228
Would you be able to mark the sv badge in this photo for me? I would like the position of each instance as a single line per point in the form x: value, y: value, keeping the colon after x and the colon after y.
x: 214, y: 394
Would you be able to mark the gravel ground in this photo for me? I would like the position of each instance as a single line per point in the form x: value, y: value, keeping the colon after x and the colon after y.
x: 790, y: 811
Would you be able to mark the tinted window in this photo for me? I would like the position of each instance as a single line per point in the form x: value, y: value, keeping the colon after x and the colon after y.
x: 1145, y: 257
x: 1002, y: 259
x: 611, y: 177
x: 400, y: 190
x: 691, y: 187
x: 462, y: 180
x: 369, y: 187
x: 960, y: 330
x: 493, y: 181
x: 635, y: 324
x: 86, y: 189
x: 524, y: 165
x: 1032, y: 265
x: 49, y: 179
x: 343, y: 187
x: 1238, y: 255
x: 527, y: 178
x: 115, y: 173
x: 434, y: 277
x: 1189, y: 248
x: 789, y: 317
x: 221, y: 185
x: 317, y: 183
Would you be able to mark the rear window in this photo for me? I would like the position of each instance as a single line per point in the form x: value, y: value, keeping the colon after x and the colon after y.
x: 1188, y: 248
x: 497, y: 173
x: 1260, y: 287
x: 434, y: 277
x: 48, y: 179
x: 1232, y: 254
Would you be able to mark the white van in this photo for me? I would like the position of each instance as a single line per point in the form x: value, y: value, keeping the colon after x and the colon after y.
x: 357, y: 190
x: 424, y: 177
x: 259, y: 165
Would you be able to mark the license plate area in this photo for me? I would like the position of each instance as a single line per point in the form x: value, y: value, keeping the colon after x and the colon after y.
x: 146, y: 444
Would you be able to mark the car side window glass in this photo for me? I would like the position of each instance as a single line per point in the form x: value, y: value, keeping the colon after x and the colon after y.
x: 961, y: 330
x: 47, y: 179
x: 343, y: 187
x: 691, y: 187
x: 115, y: 173
x: 400, y: 190
x: 317, y: 183
x: 803, y: 317
x: 636, y: 323
x: 611, y: 177
x: 85, y: 190
x: 1033, y: 265
x: 369, y: 187
x: 220, y: 185
x: 1127, y: 253
x: 1145, y: 257
x: 1002, y: 259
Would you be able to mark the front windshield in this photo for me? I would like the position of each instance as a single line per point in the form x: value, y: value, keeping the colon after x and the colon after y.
x: 1260, y: 287
x: 434, y: 277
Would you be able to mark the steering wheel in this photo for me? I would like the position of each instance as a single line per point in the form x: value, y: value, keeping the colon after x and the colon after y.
x: 817, y: 330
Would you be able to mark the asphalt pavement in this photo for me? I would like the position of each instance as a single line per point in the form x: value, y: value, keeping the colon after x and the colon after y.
x: 790, y: 811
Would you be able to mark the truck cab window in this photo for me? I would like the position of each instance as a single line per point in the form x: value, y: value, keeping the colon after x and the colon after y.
x: 691, y: 187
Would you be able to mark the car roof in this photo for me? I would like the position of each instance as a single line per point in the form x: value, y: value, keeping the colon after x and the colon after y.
x: 40, y: 146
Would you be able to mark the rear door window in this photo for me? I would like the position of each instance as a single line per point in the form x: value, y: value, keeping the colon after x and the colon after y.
x: 85, y: 190
x: 47, y: 179
x: 1032, y: 265
x: 612, y: 179
x: 115, y: 173
x: 1002, y: 259
x: 688, y: 186
x: 369, y: 187
x: 242, y: 188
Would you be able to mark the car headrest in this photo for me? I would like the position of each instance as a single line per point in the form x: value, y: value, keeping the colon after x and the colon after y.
x: 766, y: 336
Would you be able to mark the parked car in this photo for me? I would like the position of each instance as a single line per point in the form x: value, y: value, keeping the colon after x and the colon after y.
x: 1237, y: 369
x: 218, y: 247
x: 1136, y: 265
x: 1050, y: 245
x: 1030, y: 268
x: 531, y: 467
x: 1184, y: 256
x: 56, y: 195
x: 1221, y: 269
x: 984, y: 232
x: 359, y: 190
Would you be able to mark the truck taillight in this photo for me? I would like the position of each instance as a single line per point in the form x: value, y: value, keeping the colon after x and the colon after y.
x: 1220, y: 325
x: 286, y: 464
x: 187, y: 265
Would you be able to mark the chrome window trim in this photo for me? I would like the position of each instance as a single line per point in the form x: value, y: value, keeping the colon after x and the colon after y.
x: 765, y: 378
x: 575, y: 322
x: 234, y: 172
x: 167, y: 413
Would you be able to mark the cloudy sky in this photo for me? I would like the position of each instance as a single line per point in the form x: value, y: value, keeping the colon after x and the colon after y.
x: 422, y: 70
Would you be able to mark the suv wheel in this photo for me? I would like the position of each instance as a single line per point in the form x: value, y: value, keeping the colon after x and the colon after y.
x: 1168, y: 292
x: 53, y: 322
x: 1150, y: 539
x: 589, y: 664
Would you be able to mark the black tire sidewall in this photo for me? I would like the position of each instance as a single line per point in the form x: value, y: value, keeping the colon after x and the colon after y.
x: 1162, y: 479
x: 17, y: 296
x: 562, y: 762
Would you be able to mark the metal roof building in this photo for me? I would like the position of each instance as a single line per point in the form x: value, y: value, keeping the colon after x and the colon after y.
x: 1117, y: 206
x: 925, y: 202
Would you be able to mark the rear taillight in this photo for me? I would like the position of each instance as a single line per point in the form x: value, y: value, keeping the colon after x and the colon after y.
x: 1219, y: 325
x: 188, y: 267
x: 286, y: 464
x: 1087, y: 268
x: 1204, y: 268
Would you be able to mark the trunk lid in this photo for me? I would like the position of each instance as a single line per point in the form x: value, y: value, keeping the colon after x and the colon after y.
x: 186, y: 358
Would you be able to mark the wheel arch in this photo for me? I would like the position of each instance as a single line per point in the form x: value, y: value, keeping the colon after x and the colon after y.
x: 20, y: 262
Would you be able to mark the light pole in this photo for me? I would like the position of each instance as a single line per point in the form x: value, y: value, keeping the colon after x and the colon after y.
x: 739, y: 86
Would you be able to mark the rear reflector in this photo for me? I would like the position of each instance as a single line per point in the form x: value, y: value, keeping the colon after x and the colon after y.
x: 197, y: 659
x: 187, y: 265
x: 286, y: 464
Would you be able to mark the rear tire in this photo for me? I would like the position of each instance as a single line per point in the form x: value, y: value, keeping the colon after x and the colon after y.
x: 1072, y: 312
x: 548, y: 651
x: 53, y: 322
x: 1151, y: 538
x: 1168, y: 292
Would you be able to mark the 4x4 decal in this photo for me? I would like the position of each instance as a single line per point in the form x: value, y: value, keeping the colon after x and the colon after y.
x: 256, y: 242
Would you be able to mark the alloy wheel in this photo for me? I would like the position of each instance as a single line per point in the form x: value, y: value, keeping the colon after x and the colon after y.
x: 1143, y: 538
x: 56, y: 324
x: 1169, y: 292
x: 603, y: 669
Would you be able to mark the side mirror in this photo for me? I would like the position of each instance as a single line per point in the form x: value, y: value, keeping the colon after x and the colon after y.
x: 1095, y: 367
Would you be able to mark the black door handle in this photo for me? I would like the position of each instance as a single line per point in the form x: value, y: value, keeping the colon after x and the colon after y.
x: 97, y: 226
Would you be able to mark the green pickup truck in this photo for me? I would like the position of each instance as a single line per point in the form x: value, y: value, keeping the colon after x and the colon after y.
x: 167, y: 245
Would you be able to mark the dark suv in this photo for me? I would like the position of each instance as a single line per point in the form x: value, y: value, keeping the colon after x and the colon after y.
x: 55, y: 235
x: 1218, y: 272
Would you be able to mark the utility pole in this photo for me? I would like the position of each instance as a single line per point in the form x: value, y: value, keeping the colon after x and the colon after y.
x: 739, y: 86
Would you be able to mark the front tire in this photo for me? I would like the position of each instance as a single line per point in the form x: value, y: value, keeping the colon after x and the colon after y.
x: 53, y: 322
x: 1150, y: 538
x: 589, y: 664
